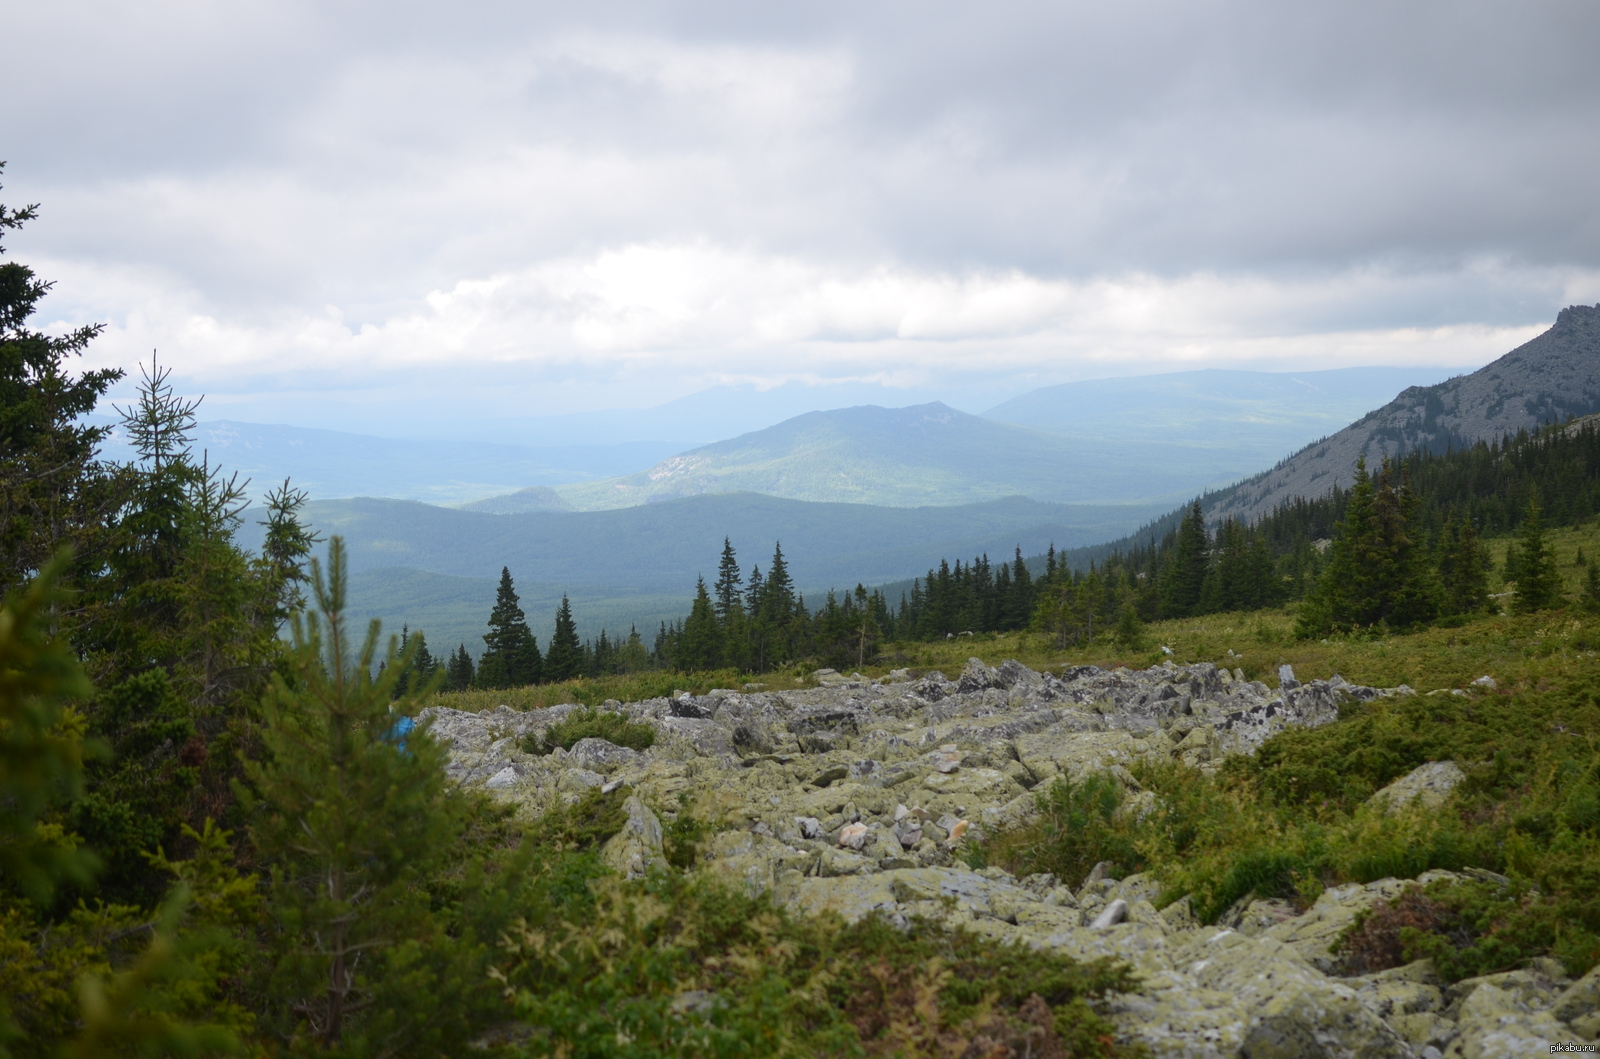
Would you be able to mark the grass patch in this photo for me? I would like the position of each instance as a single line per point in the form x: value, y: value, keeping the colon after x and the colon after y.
x: 588, y: 723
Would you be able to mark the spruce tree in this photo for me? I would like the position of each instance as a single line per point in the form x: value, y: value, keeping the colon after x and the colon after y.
x: 1538, y: 580
x: 350, y: 822
x: 728, y: 581
x: 1377, y: 571
x: 511, y: 654
x: 565, y: 660
x: 700, y: 646
x: 1462, y: 569
x: 53, y: 491
x: 1591, y: 588
x: 777, y: 604
x: 460, y: 670
x: 1186, y: 576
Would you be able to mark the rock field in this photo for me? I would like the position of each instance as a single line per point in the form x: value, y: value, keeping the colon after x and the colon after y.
x: 855, y: 796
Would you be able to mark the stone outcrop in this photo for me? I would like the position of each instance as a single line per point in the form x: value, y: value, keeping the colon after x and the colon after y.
x: 857, y: 797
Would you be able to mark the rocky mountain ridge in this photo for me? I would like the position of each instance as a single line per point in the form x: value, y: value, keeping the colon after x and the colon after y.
x: 1553, y: 377
x: 859, y: 797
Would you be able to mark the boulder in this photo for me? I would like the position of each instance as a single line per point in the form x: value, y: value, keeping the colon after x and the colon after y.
x: 631, y: 851
x: 1427, y: 785
x: 1495, y: 1024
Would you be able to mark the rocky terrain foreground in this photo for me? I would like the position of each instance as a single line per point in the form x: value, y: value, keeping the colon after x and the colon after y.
x: 856, y: 796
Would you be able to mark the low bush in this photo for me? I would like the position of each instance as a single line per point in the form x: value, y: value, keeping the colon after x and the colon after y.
x: 587, y: 723
x: 683, y: 966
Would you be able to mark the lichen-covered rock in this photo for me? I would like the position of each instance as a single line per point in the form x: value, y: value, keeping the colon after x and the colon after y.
x: 1428, y: 785
x: 632, y: 851
x: 1495, y: 1024
x: 1292, y: 1010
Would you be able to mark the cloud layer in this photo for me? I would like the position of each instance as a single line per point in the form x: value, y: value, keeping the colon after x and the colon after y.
x: 556, y: 207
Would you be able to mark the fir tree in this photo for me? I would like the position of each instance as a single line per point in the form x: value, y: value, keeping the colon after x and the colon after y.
x: 700, y: 646
x: 728, y: 581
x: 777, y: 602
x: 1591, y: 588
x: 1377, y: 572
x: 460, y: 671
x: 565, y: 660
x: 1538, y: 580
x: 1186, y: 575
x: 1462, y: 566
x: 511, y: 654
x: 53, y: 492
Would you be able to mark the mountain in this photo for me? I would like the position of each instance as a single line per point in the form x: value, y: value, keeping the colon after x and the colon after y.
x: 331, y: 463
x: 1096, y: 441
x: 900, y: 457
x: 533, y: 498
x: 1548, y: 379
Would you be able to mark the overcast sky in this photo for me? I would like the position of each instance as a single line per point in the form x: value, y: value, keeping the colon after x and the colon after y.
x: 347, y: 213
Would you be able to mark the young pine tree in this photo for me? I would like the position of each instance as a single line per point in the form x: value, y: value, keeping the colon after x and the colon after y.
x: 348, y: 816
x: 1538, y: 580
x: 565, y: 660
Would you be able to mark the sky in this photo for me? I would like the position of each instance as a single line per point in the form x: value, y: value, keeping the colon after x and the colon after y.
x: 413, y: 218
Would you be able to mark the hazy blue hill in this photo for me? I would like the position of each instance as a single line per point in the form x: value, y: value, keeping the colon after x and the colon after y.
x: 904, y: 457
x: 534, y: 498
x: 1233, y: 422
x: 435, y: 567
x: 331, y: 463
x: 662, y: 547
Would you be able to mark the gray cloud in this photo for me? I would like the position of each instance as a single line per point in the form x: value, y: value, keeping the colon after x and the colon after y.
x: 1360, y: 166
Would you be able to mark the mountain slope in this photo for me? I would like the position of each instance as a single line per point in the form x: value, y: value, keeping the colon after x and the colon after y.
x: 1550, y: 378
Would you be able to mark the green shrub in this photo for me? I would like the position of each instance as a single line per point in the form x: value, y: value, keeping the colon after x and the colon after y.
x: 587, y: 723
x: 685, y: 966
x: 1078, y: 827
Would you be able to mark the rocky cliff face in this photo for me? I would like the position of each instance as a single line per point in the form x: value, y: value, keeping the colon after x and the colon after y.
x: 1549, y: 379
x: 858, y: 797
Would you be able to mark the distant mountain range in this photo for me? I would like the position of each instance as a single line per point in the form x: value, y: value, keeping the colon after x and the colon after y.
x: 1098, y: 441
x: 900, y: 457
x: 331, y: 463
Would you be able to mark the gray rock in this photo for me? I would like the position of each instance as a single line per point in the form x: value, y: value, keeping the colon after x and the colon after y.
x: 599, y: 755
x: 1286, y: 680
x: 1429, y: 785
x: 631, y: 851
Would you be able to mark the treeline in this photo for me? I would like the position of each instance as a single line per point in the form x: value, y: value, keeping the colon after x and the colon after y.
x: 511, y: 656
x: 1401, y: 548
